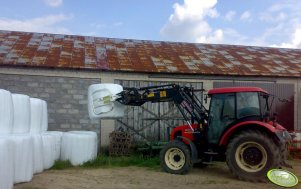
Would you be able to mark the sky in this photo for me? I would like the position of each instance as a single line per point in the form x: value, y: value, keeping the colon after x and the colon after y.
x: 272, y: 23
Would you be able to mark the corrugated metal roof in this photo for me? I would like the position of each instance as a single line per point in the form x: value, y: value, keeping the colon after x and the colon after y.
x: 80, y: 52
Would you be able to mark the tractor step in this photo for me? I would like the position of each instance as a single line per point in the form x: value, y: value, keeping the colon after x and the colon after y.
x: 211, y: 153
x: 207, y: 163
x: 211, y: 162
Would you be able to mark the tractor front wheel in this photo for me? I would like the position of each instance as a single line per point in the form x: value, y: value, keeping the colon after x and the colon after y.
x: 251, y: 155
x: 175, y: 158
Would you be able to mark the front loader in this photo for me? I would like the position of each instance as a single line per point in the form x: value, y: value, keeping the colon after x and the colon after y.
x: 237, y: 127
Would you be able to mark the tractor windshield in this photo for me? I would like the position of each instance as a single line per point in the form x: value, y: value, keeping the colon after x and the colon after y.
x: 247, y: 104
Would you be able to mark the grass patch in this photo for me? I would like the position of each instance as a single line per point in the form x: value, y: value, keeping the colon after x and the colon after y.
x: 125, y: 161
x: 60, y: 165
x: 107, y: 161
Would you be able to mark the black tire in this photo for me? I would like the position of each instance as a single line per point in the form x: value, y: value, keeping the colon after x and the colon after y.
x: 175, y: 158
x: 251, y: 154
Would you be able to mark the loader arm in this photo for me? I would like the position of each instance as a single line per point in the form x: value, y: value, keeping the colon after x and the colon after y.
x: 184, y: 98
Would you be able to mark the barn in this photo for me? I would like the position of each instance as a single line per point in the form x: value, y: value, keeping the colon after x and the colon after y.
x: 59, y: 69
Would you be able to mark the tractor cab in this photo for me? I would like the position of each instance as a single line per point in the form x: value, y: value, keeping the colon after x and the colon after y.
x: 229, y: 106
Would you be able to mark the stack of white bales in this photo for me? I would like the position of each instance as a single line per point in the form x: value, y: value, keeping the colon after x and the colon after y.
x: 20, y: 127
x: 26, y: 147
x: 7, y: 165
x: 23, y: 141
x: 44, y: 142
x: 6, y: 144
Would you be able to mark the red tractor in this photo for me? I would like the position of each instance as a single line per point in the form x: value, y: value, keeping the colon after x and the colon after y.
x: 237, y: 129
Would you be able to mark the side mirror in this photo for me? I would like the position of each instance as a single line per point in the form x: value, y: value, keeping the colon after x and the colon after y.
x: 266, y: 116
x: 275, y: 116
x: 206, y: 99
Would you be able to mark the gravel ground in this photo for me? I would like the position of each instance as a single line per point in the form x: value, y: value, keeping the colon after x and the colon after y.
x: 214, y: 176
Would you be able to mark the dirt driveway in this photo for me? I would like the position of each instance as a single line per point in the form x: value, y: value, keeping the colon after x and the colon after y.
x: 215, y: 176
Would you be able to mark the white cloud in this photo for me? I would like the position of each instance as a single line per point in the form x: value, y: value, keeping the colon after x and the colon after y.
x: 283, y: 21
x: 267, y: 17
x: 232, y: 36
x: 246, y: 16
x: 279, y: 25
x: 217, y: 37
x: 295, y: 41
x: 47, y: 24
x: 194, y: 8
x: 53, y: 3
x: 229, y: 15
x: 188, y: 22
x: 99, y: 26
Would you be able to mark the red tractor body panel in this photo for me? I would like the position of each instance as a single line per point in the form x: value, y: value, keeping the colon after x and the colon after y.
x: 268, y: 126
x: 186, y: 132
x: 235, y: 90
x: 183, y: 131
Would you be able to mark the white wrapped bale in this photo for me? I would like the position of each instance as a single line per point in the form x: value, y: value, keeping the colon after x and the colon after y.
x: 38, y: 165
x: 84, y: 132
x: 94, y: 147
x: 21, y: 104
x: 65, y: 148
x: 36, y: 108
x: 23, y: 157
x: 6, y: 112
x: 48, y: 150
x: 79, y: 147
x: 44, y: 116
x: 7, y: 163
x: 101, y: 101
x: 58, y: 141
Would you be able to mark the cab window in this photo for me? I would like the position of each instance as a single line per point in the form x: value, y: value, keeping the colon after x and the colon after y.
x: 222, y: 113
x: 247, y: 104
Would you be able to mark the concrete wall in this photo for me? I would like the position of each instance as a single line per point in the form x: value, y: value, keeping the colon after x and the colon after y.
x: 66, y: 98
x: 67, y: 89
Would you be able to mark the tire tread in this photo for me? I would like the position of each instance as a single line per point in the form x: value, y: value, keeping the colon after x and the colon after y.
x: 276, y: 154
x: 186, y: 151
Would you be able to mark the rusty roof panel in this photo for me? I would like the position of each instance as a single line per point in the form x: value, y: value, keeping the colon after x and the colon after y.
x: 79, y: 52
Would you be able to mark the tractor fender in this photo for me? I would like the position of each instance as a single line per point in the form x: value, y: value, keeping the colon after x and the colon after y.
x: 228, y: 134
x: 194, y: 152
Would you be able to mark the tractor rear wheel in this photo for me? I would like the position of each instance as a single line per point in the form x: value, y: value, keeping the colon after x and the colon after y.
x: 251, y: 154
x: 175, y: 158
